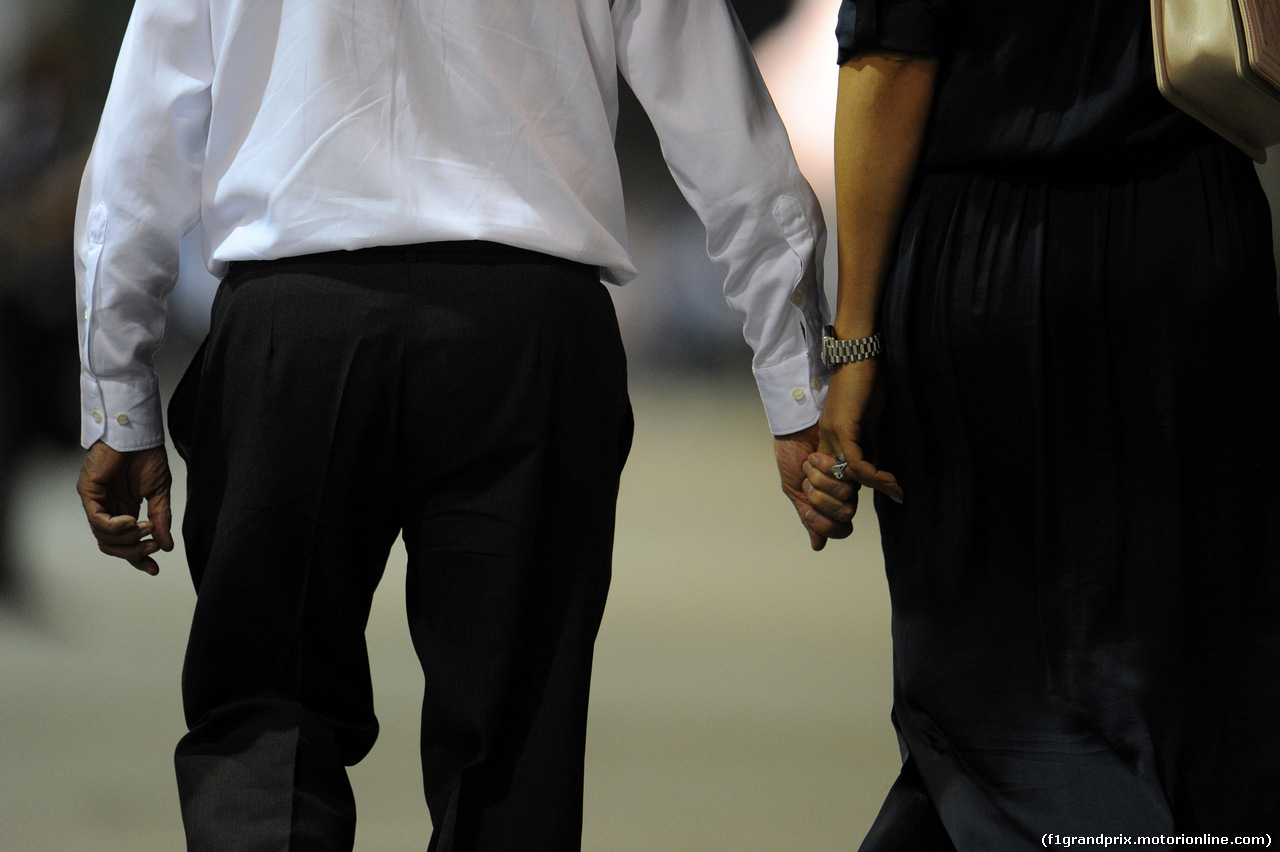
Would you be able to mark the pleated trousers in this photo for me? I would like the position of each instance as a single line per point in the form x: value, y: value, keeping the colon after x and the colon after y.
x: 470, y: 397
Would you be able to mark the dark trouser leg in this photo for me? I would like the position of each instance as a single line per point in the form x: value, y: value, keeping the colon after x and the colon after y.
x: 286, y: 422
x: 518, y: 444
x: 484, y: 409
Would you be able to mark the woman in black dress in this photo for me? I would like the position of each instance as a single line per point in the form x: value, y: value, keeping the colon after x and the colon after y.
x: 1080, y: 392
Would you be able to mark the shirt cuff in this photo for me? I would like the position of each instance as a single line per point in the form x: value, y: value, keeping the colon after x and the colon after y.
x: 124, y: 415
x: 793, y: 392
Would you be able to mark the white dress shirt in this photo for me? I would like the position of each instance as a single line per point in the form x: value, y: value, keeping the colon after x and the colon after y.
x: 287, y: 127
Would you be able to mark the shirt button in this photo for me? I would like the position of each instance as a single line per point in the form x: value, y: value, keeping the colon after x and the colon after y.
x: 797, y: 296
x: 123, y: 420
x: 798, y: 394
x: 97, y: 416
x: 816, y: 383
x: 86, y: 313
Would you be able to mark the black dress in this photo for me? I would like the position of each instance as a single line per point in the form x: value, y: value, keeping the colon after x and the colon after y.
x: 1083, y: 376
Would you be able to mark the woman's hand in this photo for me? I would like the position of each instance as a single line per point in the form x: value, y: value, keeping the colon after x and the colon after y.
x: 882, y: 110
x: 852, y: 407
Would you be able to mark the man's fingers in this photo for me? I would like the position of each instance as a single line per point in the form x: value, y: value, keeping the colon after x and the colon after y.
x: 840, y: 511
x: 826, y: 526
x: 131, y: 546
x: 146, y: 566
x: 819, y: 526
x: 114, y: 527
x: 825, y: 518
x: 108, y: 524
x: 160, y: 517
x: 136, y: 552
x: 128, y: 539
x: 125, y: 537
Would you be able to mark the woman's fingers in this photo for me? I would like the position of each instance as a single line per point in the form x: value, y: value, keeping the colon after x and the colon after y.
x: 855, y: 473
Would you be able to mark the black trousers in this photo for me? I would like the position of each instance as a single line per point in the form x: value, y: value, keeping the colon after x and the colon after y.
x: 469, y: 396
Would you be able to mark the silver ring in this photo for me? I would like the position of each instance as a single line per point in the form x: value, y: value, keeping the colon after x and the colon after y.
x: 837, y: 469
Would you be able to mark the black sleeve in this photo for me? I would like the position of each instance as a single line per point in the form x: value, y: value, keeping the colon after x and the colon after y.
x: 907, y: 26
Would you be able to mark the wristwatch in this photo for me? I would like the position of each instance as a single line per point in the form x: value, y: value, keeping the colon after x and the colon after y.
x: 836, y: 352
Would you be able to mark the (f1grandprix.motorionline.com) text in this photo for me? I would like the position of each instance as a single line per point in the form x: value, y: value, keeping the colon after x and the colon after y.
x: 1048, y: 840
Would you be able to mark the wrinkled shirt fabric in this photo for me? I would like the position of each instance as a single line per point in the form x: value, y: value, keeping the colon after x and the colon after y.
x: 281, y: 128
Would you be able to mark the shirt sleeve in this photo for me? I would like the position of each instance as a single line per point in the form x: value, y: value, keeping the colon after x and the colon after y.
x: 691, y: 68
x: 906, y: 26
x: 140, y: 194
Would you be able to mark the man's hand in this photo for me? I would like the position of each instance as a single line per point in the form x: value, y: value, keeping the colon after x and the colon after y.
x: 833, y: 518
x: 112, y: 486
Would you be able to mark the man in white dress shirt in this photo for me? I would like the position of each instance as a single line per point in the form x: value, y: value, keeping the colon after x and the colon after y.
x: 412, y: 205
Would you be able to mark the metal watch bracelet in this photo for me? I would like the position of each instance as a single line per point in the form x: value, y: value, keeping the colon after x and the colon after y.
x: 836, y: 352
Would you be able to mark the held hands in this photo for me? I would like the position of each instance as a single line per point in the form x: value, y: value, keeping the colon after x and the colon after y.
x: 827, y: 505
x: 112, y: 487
x: 793, y: 453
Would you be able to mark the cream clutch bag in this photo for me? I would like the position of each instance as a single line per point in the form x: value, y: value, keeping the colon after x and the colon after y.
x: 1219, y: 62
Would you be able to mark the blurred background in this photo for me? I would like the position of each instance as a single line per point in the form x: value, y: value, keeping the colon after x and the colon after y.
x: 742, y: 690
